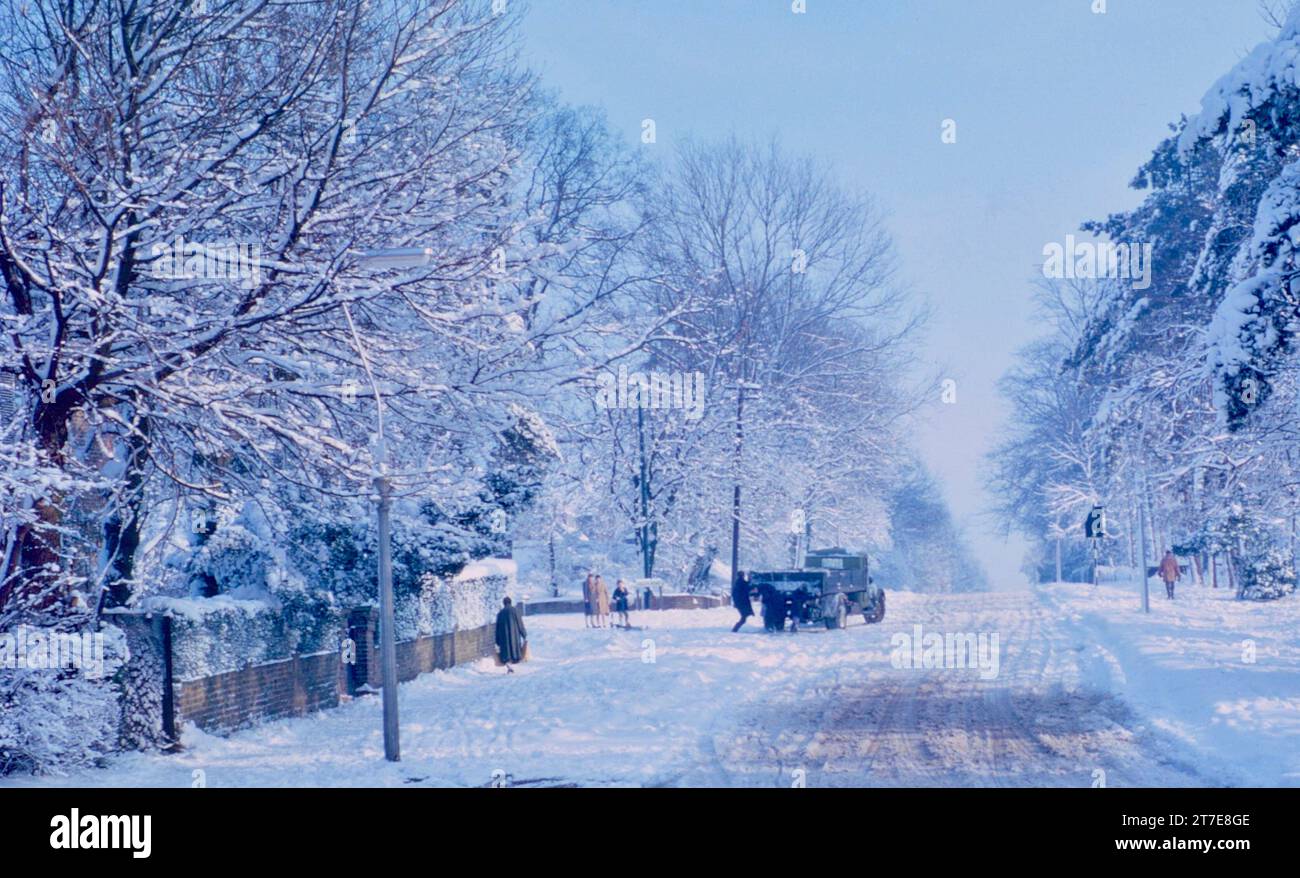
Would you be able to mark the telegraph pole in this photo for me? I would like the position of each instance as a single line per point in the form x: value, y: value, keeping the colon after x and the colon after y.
x: 1142, y: 526
x: 647, y: 551
x: 735, y: 496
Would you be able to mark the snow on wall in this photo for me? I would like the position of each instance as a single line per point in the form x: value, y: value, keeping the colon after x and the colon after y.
x: 220, y: 634
x: 463, y: 603
x: 217, y: 635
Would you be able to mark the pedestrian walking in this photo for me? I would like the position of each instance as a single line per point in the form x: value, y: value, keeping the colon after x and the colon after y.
x: 1169, y: 572
x: 740, y: 599
x: 511, y: 637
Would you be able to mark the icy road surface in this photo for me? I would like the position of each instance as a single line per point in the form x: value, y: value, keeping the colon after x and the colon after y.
x: 683, y: 702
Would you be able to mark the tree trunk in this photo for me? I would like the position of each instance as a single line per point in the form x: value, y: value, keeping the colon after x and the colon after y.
x: 32, y: 580
x: 1132, y: 517
x: 555, y: 584
x: 122, y: 527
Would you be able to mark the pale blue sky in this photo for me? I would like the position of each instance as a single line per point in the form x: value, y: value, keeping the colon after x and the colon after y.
x: 1055, y: 109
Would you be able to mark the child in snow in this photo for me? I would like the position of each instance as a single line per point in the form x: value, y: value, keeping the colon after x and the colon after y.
x: 621, y: 595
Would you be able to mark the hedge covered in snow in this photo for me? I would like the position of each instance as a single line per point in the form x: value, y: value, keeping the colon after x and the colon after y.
x: 217, y: 635
x: 53, y: 717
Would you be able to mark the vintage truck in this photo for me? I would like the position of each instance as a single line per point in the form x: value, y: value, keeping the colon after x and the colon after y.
x: 832, y: 585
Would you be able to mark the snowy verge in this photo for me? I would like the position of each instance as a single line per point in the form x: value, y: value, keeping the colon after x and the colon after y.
x: 1219, y: 674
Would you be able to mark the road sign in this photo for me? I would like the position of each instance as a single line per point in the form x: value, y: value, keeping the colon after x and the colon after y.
x: 1094, y: 527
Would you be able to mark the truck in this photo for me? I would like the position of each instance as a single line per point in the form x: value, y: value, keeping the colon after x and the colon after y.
x: 832, y: 585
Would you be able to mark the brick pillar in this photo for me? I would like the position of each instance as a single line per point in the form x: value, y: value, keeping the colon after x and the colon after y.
x: 363, y: 628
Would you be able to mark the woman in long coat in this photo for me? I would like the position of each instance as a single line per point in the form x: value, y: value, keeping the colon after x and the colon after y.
x: 600, y: 602
x: 511, y: 635
x: 589, y: 599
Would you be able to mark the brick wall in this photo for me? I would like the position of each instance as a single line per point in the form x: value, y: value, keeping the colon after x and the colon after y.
x: 414, y: 657
x: 290, y: 687
x: 308, y: 683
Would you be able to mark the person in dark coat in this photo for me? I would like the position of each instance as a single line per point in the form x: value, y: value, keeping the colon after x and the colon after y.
x: 588, y: 599
x: 621, y: 595
x: 795, y: 603
x: 512, y: 637
x: 740, y: 599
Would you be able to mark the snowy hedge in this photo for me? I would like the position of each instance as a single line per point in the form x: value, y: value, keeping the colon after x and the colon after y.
x: 221, y: 634
x: 55, y: 719
x: 280, y: 597
x: 217, y: 635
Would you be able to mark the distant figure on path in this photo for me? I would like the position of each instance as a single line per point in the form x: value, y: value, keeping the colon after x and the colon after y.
x: 740, y: 599
x: 589, y: 599
x: 1169, y: 572
x: 600, y: 601
x: 512, y: 637
x: 649, y: 597
x: 621, y: 595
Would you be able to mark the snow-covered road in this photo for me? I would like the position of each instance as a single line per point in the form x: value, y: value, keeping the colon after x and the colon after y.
x: 685, y: 702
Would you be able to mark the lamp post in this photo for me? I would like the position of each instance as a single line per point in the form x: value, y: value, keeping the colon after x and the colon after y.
x: 392, y: 257
x: 387, y: 623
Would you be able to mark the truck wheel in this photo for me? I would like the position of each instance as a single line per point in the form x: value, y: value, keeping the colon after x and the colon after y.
x: 840, y: 618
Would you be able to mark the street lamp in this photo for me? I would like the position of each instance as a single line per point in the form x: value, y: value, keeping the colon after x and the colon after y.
x: 392, y: 257
x: 397, y: 257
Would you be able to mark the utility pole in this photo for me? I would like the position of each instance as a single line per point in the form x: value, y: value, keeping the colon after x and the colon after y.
x: 1142, y: 526
x: 647, y: 552
x: 735, y: 496
x: 387, y: 624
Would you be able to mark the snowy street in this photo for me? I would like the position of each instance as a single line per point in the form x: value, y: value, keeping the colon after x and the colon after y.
x: 684, y: 702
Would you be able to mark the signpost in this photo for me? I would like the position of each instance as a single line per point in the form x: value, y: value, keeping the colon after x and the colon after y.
x: 1094, y: 528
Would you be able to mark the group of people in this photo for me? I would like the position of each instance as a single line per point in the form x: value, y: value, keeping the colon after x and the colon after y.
x: 775, y: 612
x: 512, y: 636
x: 596, y: 601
